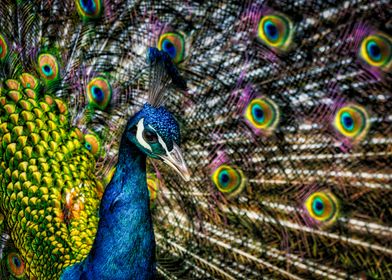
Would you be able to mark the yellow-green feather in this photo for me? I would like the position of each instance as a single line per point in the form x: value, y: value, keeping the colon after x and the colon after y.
x: 49, y: 194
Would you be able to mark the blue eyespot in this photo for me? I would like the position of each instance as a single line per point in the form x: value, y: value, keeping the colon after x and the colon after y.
x: 15, y: 265
x: 88, y: 146
x: 47, y: 70
x: 318, y: 206
x: 16, y: 262
x: 88, y: 6
x: 262, y: 114
x: 352, y: 121
x: 3, y: 48
x: 275, y: 31
x: 93, y: 144
x: 347, y: 121
x: 258, y: 113
x: 323, y: 207
x: 224, y: 178
x: 374, y: 51
x: 89, y: 9
x: 271, y: 31
x: 98, y: 94
x: 168, y: 47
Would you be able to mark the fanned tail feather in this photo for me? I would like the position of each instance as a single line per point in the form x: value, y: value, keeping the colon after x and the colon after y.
x: 285, y: 120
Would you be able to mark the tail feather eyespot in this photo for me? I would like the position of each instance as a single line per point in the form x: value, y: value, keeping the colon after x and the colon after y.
x: 173, y: 44
x: 99, y: 93
x: 262, y: 114
x: 322, y: 206
x: 15, y: 265
x: 89, y: 9
x: 93, y: 144
x: 48, y: 67
x: 376, y: 50
x: 352, y: 122
x: 228, y: 179
x: 276, y: 31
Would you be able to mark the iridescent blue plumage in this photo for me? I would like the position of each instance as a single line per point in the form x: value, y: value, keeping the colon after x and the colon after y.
x: 124, y: 247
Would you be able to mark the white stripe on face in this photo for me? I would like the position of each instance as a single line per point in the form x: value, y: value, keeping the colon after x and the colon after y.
x: 160, y: 140
x: 139, y: 135
x: 163, y: 144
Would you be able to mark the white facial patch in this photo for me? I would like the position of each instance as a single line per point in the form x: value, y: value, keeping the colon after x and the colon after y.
x: 139, y: 135
x: 163, y: 144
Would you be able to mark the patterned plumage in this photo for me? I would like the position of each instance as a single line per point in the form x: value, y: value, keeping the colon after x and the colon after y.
x: 284, y: 123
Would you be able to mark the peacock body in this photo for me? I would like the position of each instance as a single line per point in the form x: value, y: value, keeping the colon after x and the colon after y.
x: 284, y: 112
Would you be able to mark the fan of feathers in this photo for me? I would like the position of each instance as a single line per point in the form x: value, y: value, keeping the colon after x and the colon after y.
x: 286, y: 122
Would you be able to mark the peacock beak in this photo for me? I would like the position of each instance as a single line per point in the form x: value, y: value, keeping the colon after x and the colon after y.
x: 176, y: 161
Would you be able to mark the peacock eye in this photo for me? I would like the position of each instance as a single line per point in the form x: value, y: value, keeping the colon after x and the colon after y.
x: 228, y: 179
x: 150, y: 136
x: 15, y: 265
x: 89, y: 9
x: 93, y: 144
x: 352, y: 122
x: 275, y: 31
x: 173, y: 44
x: 322, y: 206
x: 48, y: 67
x: 376, y: 50
x: 262, y: 114
x: 99, y: 93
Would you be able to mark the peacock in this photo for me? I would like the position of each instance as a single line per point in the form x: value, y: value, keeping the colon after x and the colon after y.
x: 195, y: 139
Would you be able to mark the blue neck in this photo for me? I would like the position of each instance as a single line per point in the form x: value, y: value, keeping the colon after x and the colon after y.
x: 124, y: 247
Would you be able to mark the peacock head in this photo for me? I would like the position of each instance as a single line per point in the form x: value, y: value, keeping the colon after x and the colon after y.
x: 155, y: 131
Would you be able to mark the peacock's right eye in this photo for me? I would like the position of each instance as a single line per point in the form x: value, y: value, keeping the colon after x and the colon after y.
x: 48, y: 67
x: 275, y: 31
x: 89, y: 9
x: 150, y: 136
x: 376, y: 50
x: 352, y: 122
x: 322, y: 206
x: 173, y: 44
x: 16, y: 265
x: 228, y: 179
x: 3, y: 48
